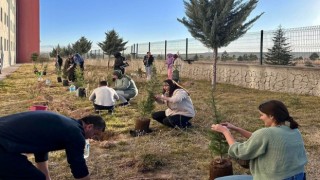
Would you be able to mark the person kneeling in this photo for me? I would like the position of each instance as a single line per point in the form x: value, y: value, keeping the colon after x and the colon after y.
x: 104, y: 97
x: 180, y: 108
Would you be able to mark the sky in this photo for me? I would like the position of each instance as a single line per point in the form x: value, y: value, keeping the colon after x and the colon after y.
x: 140, y: 21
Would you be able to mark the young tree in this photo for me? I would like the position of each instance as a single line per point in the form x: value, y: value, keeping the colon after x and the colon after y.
x: 314, y: 56
x: 113, y: 43
x: 216, y: 23
x: 279, y: 54
x: 82, y: 46
x: 55, y: 51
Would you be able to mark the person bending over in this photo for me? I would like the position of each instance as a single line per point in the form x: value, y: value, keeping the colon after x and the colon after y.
x: 40, y: 132
x: 104, y: 97
x: 125, y: 87
x: 180, y: 108
x: 276, y: 151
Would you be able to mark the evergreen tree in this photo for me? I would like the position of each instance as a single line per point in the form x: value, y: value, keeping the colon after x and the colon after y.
x: 314, y: 56
x: 279, y: 54
x: 216, y: 23
x: 112, y: 43
x: 55, y: 51
x: 225, y: 56
x: 82, y: 46
x: 218, y: 144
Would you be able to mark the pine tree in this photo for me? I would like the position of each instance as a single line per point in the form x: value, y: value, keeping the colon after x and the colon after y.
x: 82, y: 46
x: 146, y: 105
x: 112, y: 43
x: 218, y: 144
x: 279, y: 54
x: 216, y: 23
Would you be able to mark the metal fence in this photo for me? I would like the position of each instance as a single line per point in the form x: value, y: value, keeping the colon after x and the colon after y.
x: 303, y: 42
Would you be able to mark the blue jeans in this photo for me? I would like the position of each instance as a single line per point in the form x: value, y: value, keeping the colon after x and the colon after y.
x: 149, y: 71
x: 300, y: 176
x: 235, y: 177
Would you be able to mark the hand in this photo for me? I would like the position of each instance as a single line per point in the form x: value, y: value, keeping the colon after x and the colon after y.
x: 229, y: 125
x: 219, y: 128
x: 158, y: 97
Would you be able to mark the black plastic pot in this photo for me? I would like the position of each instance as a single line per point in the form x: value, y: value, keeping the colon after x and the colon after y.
x: 59, y: 79
x: 65, y: 82
x: 81, y: 92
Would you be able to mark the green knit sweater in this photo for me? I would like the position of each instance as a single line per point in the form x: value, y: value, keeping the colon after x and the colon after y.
x: 275, y: 153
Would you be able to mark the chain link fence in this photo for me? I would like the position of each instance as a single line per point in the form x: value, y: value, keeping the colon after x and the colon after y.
x: 253, y: 45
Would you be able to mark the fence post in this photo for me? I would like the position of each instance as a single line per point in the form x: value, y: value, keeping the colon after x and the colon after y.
x: 261, y: 47
x: 186, y: 48
x: 149, y: 47
x: 134, y: 51
x: 165, y: 49
x: 137, y: 54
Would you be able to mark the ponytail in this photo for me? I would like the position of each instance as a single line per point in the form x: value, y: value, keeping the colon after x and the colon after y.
x: 293, y: 123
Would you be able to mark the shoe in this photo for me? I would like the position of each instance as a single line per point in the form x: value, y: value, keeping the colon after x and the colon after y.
x: 123, y: 104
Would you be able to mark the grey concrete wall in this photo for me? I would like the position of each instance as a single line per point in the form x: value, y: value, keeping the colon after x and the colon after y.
x: 299, y: 80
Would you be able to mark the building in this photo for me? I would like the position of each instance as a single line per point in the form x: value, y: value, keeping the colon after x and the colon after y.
x: 19, y: 31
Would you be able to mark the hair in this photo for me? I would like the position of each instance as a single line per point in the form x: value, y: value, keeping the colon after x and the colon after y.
x: 117, y: 54
x: 279, y: 111
x: 118, y: 73
x: 175, y: 56
x: 103, y: 83
x: 96, y: 120
x: 173, y: 86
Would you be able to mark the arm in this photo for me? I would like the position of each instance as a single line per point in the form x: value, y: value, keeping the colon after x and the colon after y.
x: 92, y: 97
x: 43, y: 167
x: 225, y: 131
x: 243, y: 132
x: 125, y: 83
x: 178, y: 96
x: 158, y: 99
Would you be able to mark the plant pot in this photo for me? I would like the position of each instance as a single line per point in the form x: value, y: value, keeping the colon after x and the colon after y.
x: 44, y: 73
x: 220, y: 168
x: 59, y: 79
x: 81, y: 92
x: 65, y: 82
x: 142, y: 125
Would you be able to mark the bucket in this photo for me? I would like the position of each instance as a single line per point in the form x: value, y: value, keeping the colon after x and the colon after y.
x: 38, y: 108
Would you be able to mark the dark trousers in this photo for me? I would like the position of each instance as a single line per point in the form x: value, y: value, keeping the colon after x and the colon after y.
x: 172, y: 121
x: 99, y: 107
x: 16, y: 166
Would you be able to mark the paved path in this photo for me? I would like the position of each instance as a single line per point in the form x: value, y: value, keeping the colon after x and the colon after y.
x: 8, y: 70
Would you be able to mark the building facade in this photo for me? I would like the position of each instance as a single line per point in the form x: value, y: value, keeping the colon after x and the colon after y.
x: 19, y: 31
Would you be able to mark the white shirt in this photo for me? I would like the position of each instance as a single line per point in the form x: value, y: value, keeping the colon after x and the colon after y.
x: 104, y: 96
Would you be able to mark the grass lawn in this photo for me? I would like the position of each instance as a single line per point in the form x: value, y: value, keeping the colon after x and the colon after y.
x: 165, y: 153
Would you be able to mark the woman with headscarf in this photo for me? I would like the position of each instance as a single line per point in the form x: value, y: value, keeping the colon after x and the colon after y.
x: 170, y: 63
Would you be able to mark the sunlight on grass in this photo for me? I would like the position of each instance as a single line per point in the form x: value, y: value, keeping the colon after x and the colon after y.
x: 167, y: 153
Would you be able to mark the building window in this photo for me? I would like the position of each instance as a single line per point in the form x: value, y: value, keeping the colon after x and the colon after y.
x: 5, y: 18
x: 4, y: 42
x: 1, y: 44
x: 1, y: 14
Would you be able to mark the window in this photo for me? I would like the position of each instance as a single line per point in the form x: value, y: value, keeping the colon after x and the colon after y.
x: 4, y: 42
x: 1, y: 14
x: 1, y: 44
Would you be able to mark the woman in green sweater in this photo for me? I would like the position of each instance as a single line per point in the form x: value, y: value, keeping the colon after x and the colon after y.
x: 275, y: 152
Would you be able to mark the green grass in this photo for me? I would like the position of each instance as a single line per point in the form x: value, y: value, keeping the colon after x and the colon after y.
x: 169, y: 153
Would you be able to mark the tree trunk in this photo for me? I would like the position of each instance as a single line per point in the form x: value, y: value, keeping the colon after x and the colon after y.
x: 108, y: 61
x: 214, y: 74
